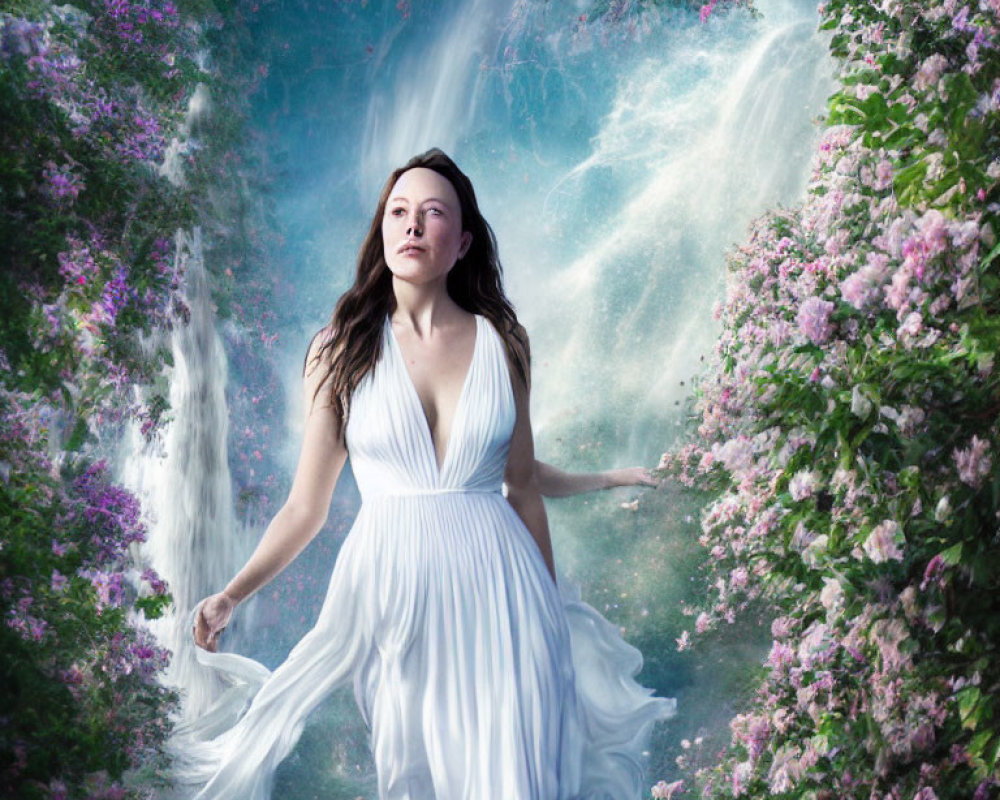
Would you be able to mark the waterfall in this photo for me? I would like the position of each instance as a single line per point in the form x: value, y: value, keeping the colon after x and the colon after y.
x: 431, y: 101
x: 185, y: 488
x: 695, y: 144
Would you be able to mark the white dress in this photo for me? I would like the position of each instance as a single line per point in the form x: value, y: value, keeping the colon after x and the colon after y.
x: 476, y: 676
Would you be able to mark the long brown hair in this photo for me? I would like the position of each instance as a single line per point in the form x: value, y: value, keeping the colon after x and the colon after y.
x: 353, y: 341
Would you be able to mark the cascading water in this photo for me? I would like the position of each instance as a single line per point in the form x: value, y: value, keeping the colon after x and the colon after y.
x: 431, y: 101
x: 693, y: 165
x: 186, y: 488
x: 615, y: 174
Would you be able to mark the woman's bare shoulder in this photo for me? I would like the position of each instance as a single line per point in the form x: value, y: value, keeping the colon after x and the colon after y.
x: 317, y: 369
x: 318, y: 352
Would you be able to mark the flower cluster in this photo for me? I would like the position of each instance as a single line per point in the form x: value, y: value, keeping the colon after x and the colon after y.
x: 850, y: 426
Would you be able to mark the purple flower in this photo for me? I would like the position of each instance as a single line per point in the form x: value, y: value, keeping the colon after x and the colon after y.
x: 77, y: 265
x: 143, y: 651
x: 983, y: 789
x: 113, y: 512
x: 102, y: 108
x: 107, y: 585
x: 158, y: 585
x: 60, y: 182
x: 116, y: 295
x: 117, y: 8
x: 19, y: 37
x: 59, y: 581
x: 813, y: 319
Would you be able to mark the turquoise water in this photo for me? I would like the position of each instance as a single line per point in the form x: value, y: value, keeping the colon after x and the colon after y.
x: 617, y: 162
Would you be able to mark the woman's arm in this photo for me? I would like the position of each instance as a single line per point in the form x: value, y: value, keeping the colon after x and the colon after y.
x: 298, y: 521
x: 554, y: 482
x: 522, y: 479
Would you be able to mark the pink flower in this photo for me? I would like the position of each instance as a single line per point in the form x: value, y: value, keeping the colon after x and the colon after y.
x: 854, y: 289
x: 780, y: 657
x: 706, y: 11
x: 973, y: 462
x: 802, y: 485
x: 666, y: 790
x: 735, y: 454
x: 881, y: 544
x: 883, y: 175
x: 738, y: 578
x: 899, y: 293
x: 911, y: 326
x: 813, y: 319
x: 933, y: 573
x: 930, y: 72
x: 684, y: 642
x: 741, y: 777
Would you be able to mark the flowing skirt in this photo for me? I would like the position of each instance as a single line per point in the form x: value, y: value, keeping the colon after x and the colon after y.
x: 476, y: 676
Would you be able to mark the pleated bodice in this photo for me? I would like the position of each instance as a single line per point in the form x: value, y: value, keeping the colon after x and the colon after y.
x: 392, y: 451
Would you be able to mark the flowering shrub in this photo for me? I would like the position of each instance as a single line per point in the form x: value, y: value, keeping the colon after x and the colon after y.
x: 850, y: 430
x: 88, y: 97
x: 91, y: 96
x: 81, y: 704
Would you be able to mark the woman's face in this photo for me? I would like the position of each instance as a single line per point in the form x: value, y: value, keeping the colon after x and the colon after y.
x: 422, y: 227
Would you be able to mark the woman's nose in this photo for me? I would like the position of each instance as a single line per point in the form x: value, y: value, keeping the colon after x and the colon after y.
x: 415, y: 225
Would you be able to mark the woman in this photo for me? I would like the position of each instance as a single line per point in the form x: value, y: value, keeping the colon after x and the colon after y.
x: 476, y: 677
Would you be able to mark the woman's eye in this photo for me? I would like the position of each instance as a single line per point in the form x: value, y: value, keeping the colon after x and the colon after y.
x: 397, y: 212
x: 435, y: 211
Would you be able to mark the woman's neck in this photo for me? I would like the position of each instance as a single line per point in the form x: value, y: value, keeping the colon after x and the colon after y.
x: 424, y: 307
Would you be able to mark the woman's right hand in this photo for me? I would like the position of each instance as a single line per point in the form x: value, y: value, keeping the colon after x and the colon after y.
x: 211, y: 620
x: 631, y: 476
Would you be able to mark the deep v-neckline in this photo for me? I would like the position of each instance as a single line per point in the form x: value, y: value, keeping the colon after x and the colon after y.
x: 439, y: 464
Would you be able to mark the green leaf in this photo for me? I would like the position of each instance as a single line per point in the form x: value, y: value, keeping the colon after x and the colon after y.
x: 953, y: 555
x: 969, y: 700
x: 991, y: 256
x: 79, y: 435
x: 154, y: 606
